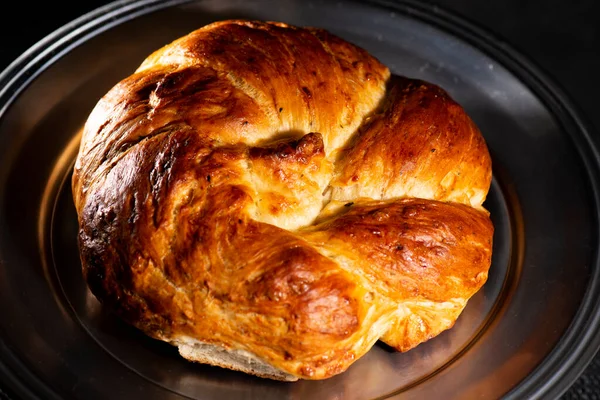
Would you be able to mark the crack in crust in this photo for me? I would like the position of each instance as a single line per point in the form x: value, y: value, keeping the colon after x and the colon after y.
x: 274, y: 191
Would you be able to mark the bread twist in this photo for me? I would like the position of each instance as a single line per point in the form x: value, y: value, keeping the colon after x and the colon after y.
x: 270, y: 199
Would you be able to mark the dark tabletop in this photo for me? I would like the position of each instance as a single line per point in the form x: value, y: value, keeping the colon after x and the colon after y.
x: 561, y: 37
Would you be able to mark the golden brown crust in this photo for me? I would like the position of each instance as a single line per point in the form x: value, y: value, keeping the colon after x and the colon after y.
x: 420, y: 144
x: 426, y: 255
x: 206, y: 188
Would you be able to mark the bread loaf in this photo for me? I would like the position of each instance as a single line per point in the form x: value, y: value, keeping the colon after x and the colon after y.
x: 271, y: 199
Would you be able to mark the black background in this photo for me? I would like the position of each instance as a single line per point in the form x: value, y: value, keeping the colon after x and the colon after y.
x: 561, y: 37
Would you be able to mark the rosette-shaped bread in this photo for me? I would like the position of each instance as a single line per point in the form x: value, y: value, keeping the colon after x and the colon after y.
x: 271, y: 199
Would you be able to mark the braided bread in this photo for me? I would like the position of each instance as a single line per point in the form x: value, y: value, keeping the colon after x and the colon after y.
x: 271, y: 199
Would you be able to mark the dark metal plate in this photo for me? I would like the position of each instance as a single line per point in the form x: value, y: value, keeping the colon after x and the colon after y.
x: 527, y: 333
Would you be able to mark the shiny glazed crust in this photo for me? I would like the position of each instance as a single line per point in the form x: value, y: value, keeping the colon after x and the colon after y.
x: 273, y: 191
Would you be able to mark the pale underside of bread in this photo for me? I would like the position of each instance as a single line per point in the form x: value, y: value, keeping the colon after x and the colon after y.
x: 237, y: 360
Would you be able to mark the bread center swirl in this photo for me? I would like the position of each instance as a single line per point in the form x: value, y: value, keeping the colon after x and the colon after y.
x: 273, y: 190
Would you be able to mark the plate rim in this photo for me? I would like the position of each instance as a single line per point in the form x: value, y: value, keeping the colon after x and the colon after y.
x: 559, y: 369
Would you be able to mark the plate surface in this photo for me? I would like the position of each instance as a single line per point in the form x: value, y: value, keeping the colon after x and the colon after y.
x: 524, y: 334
